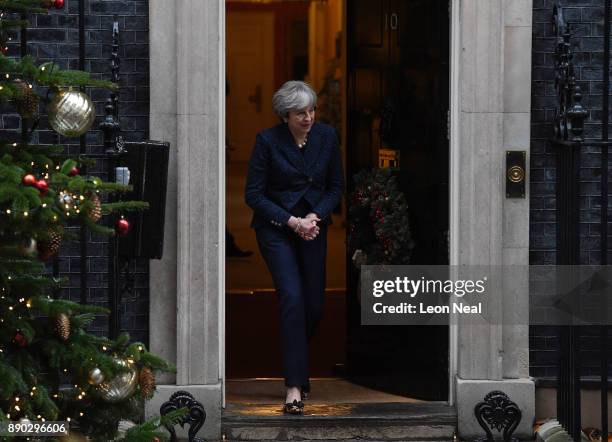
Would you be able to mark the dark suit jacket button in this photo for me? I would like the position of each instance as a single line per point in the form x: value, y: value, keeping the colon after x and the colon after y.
x: 310, y: 179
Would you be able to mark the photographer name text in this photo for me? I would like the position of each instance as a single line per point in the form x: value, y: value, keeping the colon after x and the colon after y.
x: 420, y: 308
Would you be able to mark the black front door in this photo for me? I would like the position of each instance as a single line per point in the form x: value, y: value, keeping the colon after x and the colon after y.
x: 398, y: 69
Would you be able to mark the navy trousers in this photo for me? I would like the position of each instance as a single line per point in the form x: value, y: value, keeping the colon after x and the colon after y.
x: 298, y: 270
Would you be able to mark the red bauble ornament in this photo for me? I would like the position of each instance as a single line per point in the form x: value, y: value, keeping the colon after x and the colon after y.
x: 29, y: 180
x: 20, y: 339
x: 122, y: 226
x: 4, y: 50
x: 58, y: 4
x: 74, y: 171
x: 42, y: 185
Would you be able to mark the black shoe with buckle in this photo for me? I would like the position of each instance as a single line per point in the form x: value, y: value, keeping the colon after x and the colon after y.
x: 294, y: 407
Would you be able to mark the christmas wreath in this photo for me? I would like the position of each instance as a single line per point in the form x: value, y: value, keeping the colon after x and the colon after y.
x: 379, y: 232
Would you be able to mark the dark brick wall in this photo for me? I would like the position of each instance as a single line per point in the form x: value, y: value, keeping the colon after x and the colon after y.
x: 55, y: 37
x: 587, y: 19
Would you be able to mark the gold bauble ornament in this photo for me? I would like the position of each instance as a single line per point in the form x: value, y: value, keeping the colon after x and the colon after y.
x: 62, y: 326
x: 121, y: 386
x: 146, y: 381
x: 71, y: 113
x: 95, y: 377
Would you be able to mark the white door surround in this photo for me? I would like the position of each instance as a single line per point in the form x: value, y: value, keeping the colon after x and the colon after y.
x: 490, y: 113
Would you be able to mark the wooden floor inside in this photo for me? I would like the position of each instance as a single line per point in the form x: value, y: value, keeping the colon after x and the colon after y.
x: 324, y: 391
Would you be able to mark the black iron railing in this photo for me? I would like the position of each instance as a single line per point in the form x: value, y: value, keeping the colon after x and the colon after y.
x: 569, y: 142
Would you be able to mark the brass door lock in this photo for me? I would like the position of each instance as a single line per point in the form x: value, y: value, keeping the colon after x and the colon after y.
x: 515, y: 173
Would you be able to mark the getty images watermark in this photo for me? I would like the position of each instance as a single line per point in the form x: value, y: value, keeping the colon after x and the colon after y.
x: 508, y: 295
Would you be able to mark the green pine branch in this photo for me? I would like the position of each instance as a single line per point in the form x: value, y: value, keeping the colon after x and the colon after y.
x: 149, y: 429
x: 124, y: 206
x: 22, y: 6
x: 12, y: 380
x: 47, y: 74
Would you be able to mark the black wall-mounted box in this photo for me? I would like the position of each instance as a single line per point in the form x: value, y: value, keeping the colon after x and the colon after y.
x: 148, y: 165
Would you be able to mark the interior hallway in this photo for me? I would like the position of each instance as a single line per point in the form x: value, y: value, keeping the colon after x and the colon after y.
x: 252, y: 319
x: 249, y: 274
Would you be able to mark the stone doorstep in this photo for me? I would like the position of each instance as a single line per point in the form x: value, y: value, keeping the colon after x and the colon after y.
x: 346, y: 422
x: 372, y: 432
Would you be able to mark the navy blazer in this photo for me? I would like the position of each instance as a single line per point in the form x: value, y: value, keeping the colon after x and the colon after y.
x: 280, y: 175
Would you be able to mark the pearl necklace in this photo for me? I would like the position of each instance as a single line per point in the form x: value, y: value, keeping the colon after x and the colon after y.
x: 301, y: 145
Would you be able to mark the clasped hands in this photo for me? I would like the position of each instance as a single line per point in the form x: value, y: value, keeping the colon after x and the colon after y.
x: 306, y: 227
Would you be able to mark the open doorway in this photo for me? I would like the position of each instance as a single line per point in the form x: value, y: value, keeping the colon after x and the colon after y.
x: 362, y: 57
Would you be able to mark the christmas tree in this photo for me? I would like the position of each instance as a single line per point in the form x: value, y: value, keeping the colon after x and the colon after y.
x: 51, y: 368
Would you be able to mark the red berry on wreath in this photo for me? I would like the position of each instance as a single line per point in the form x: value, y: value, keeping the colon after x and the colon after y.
x: 122, y: 226
x: 74, y: 171
x: 58, y: 4
x: 42, y: 185
x: 29, y: 180
x: 20, y: 339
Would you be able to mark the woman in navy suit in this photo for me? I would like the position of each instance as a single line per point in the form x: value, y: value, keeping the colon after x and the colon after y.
x: 295, y: 180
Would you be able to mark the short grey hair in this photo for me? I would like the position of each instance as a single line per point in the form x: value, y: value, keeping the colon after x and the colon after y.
x: 293, y: 95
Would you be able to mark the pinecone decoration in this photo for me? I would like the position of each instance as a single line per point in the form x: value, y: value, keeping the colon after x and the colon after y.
x: 95, y: 213
x: 27, y: 101
x: 146, y: 381
x: 62, y: 326
x: 50, y: 247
